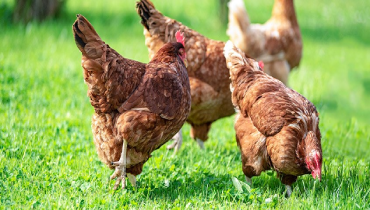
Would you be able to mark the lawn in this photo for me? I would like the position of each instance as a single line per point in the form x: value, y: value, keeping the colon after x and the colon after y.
x: 47, y: 155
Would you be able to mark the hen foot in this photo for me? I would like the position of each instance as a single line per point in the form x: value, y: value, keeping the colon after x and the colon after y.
x: 120, y: 171
x: 177, y: 142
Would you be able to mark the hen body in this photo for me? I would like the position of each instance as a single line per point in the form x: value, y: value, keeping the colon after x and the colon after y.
x: 208, y: 74
x: 277, y: 43
x: 138, y: 107
x: 277, y: 127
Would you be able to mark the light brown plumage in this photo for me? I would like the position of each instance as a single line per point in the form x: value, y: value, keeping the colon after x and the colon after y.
x: 208, y: 74
x: 277, y: 43
x: 141, y: 104
x: 277, y: 127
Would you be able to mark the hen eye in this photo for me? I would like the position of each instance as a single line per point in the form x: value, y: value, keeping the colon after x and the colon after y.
x: 181, y: 51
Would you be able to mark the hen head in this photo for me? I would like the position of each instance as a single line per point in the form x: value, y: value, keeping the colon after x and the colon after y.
x: 314, y: 163
x: 180, y: 38
x: 171, y: 50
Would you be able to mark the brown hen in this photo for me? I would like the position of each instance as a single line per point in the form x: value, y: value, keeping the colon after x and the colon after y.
x: 277, y: 127
x: 138, y: 107
x: 208, y: 74
x: 277, y: 43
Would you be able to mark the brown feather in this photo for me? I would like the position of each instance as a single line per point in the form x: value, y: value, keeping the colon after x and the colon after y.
x: 208, y: 74
x: 144, y: 104
x: 277, y: 127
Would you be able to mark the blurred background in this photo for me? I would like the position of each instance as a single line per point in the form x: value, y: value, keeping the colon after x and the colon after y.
x: 45, y: 113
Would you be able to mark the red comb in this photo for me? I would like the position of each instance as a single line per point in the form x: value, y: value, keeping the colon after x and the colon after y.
x: 261, y: 64
x: 180, y: 37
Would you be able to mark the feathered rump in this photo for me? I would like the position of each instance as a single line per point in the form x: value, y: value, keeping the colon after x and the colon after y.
x: 110, y: 83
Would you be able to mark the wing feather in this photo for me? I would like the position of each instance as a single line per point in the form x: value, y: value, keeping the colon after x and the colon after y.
x: 161, y: 92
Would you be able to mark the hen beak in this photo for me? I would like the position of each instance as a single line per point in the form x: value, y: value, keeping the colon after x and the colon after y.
x: 316, y: 174
x: 186, y: 62
x: 318, y: 166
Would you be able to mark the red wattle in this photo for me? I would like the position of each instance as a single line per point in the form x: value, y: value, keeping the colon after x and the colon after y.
x: 261, y: 64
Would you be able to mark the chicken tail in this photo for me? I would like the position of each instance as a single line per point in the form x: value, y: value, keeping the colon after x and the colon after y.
x: 86, y: 38
x: 238, y: 16
x: 156, y: 24
x: 238, y: 24
x: 237, y: 61
x: 145, y: 9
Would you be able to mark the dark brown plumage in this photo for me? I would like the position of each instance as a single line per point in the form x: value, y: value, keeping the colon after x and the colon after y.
x: 208, y: 74
x: 138, y: 107
x: 277, y: 127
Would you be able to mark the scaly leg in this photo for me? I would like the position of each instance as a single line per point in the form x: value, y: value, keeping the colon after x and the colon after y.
x: 288, y: 190
x: 132, y: 179
x: 200, y: 143
x: 249, y: 180
x: 120, y: 172
x: 177, y: 142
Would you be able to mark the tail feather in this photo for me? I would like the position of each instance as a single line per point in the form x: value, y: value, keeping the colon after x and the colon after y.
x: 85, y: 34
x: 158, y: 29
x: 238, y: 15
x: 237, y: 61
x: 239, y: 24
x: 78, y: 34
x: 144, y: 8
x: 235, y: 58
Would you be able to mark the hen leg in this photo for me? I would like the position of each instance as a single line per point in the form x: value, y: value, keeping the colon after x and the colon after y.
x: 132, y: 179
x: 200, y: 133
x: 177, y: 142
x: 200, y: 143
x: 248, y: 180
x: 288, y: 190
x: 120, y: 172
x: 287, y: 180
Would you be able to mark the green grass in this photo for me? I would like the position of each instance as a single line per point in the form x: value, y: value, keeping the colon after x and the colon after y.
x: 47, y: 155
